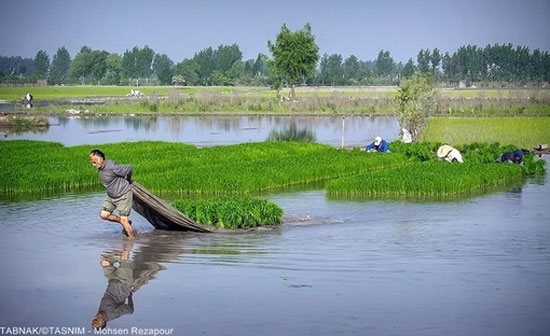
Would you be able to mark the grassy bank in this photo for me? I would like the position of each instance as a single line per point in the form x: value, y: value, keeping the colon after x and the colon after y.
x: 44, y: 167
x: 524, y: 132
x: 309, y: 100
x: 231, y: 212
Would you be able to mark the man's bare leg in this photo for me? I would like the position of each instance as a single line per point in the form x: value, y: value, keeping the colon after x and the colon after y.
x: 122, y: 220
x: 126, y: 225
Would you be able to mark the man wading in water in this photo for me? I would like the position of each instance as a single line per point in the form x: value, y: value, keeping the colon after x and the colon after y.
x: 116, y: 179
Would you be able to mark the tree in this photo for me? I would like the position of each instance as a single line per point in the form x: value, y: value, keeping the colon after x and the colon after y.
x: 408, y: 70
x: 385, y: 66
x: 136, y: 63
x: 352, y: 70
x: 41, y: 64
x: 81, y: 67
x: 113, y: 63
x: 98, y: 64
x: 435, y: 60
x: 188, y: 70
x: 416, y: 102
x: 61, y: 65
x: 295, y: 55
x: 423, y: 60
x: 163, y: 68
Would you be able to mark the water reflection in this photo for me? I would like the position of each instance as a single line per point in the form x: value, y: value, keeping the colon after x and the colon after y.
x: 213, y: 130
x: 292, y: 133
x: 126, y: 273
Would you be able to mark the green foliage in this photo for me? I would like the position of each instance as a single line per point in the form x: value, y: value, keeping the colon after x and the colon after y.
x: 61, y: 65
x: 36, y: 166
x: 408, y: 70
x: 524, y: 132
x: 426, y: 179
x: 295, y: 54
x: 162, y: 67
x: 41, y: 64
x: 136, y: 63
x: 385, y: 65
x: 473, y: 153
x: 231, y: 212
x: 415, y: 103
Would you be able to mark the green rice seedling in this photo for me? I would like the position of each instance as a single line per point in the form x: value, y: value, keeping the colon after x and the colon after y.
x: 525, y: 132
x: 35, y: 166
x: 426, y: 179
x: 231, y: 212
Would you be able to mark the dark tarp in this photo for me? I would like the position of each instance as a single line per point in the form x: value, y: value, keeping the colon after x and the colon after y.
x: 161, y: 214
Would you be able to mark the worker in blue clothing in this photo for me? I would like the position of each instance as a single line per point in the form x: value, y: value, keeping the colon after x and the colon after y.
x: 378, y: 145
x: 512, y: 157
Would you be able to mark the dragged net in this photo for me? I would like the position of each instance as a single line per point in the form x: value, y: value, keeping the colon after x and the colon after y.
x: 161, y: 214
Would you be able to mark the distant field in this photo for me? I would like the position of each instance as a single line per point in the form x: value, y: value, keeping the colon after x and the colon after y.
x: 62, y: 92
x: 525, y: 132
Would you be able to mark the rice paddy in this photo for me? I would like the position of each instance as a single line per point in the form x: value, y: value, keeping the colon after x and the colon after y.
x: 525, y: 132
x: 231, y: 212
x: 44, y: 167
x: 427, y: 176
x: 35, y: 167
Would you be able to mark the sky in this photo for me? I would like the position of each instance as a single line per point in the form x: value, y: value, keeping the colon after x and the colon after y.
x: 346, y: 27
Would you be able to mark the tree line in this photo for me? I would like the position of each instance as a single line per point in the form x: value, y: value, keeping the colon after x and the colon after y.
x: 295, y: 60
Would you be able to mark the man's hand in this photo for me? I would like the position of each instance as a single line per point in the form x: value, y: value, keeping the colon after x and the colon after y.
x: 105, y: 263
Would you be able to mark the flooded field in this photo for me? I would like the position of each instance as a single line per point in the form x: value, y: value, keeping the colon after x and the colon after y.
x: 474, y: 266
x: 210, y: 130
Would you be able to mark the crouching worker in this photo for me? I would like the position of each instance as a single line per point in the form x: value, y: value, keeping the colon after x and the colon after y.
x: 116, y: 179
x: 449, y: 154
x: 405, y: 136
x: 378, y: 145
x: 512, y: 157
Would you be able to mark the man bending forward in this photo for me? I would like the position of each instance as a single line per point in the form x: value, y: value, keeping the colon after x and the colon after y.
x: 116, y: 179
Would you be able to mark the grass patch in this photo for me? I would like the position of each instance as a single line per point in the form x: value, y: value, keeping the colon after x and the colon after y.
x: 45, y: 167
x: 231, y: 212
x: 426, y: 179
x: 427, y: 176
x: 525, y: 132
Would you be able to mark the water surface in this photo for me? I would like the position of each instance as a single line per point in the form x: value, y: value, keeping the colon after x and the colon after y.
x: 476, y: 266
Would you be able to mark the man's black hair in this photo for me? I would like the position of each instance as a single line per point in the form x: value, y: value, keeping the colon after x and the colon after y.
x: 97, y: 152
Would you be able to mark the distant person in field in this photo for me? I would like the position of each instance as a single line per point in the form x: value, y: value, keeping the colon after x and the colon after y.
x: 378, y: 145
x: 512, y: 157
x: 27, y: 100
x: 405, y: 136
x: 449, y: 154
x: 117, y: 179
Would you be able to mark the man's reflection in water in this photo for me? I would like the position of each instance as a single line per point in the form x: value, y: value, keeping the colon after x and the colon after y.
x: 117, y: 300
x: 128, y: 269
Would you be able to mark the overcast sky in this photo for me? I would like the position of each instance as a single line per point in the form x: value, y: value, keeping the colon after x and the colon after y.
x: 181, y: 28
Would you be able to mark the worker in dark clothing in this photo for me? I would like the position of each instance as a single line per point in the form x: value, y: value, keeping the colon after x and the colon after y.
x: 117, y: 180
x: 512, y: 157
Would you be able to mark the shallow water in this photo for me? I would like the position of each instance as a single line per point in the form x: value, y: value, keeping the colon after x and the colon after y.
x: 211, y: 130
x: 476, y: 266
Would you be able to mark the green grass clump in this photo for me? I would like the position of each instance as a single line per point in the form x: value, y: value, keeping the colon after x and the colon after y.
x: 162, y: 167
x: 525, y: 132
x: 426, y: 179
x: 476, y: 152
x: 231, y: 212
